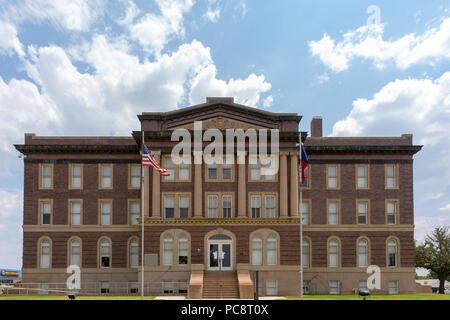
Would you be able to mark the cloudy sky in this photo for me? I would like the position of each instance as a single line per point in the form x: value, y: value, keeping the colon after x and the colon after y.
x: 87, y: 67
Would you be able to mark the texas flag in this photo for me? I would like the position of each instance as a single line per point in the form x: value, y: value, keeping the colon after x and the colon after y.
x: 304, y: 163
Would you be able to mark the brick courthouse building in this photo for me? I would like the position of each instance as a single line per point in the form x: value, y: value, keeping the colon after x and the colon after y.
x: 208, y: 228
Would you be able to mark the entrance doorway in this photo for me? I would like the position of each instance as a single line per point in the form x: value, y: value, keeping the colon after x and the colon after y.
x: 220, y: 255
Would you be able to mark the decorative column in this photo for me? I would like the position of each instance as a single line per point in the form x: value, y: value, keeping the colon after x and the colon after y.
x: 283, y: 185
x: 198, y: 159
x: 294, y: 184
x: 156, y: 188
x: 242, y: 187
x: 146, y: 191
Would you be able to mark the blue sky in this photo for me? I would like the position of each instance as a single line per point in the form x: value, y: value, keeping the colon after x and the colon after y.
x: 88, y: 67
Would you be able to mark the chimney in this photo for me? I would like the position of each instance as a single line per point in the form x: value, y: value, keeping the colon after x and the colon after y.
x: 316, y: 127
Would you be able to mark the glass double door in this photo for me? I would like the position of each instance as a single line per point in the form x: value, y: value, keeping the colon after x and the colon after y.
x: 220, y: 257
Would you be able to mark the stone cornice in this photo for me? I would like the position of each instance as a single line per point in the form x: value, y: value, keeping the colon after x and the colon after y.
x: 363, y: 149
x: 220, y: 221
x: 68, y: 148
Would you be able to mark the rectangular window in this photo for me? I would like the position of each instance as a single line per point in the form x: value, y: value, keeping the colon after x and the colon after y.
x: 104, y: 287
x: 333, y: 212
x: 135, y: 176
x: 170, y: 167
x: 270, y: 211
x: 226, y: 171
x: 213, y: 207
x: 106, y: 176
x: 182, y: 287
x: 391, y: 208
x: 134, y: 254
x: 135, y: 212
x: 271, y: 287
x: 391, y: 177
x: 169, y: 207
x: 255, y: 171
x: 227, y: 206
x: 168, y: 287
x: 256, y: 206
x: 212, y: 172
x: 305, y: 183
x: 183, y: 251
x: 168, y: 252
x: 362, y: 212
x: 43, y: 286
x: 45, y: 255
x: 76, y: 175
x: 362, y: 180
x: 305, y: 254
x: 334, y: 287
x: 46, y: 176
x: 393, y: 287
x: 305, y: 212
x: 332, y: 176
x: 362, y: 285
x: 75, y: 213
x: 183, y: 206
x: 105, y: 209
x: 133, y: 287
x: 306, y: 286
x: 46, y: 212
x: 183, y: 171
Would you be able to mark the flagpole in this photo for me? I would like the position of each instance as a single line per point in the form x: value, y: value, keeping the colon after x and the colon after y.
x: 142, y: 222
x: 301, y: 222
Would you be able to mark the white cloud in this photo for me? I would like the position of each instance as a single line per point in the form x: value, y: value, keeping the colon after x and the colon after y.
x: 367, y: 42
x: 446, y: 207
x: 11, y: 217
x: 153, y: 32
x: 75, y: 15
x: 268, y: 102
x: 423, y: 225
x: 9, y: 42
x: 246, y: 91
x: 212, y: 15
x: 131, y: 12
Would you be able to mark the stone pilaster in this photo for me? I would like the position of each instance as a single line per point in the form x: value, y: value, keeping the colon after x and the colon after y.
x: 156, y: 188
x: 198, y: 160
x: 294, y: 184
x: 242, y: 186
x: 146, y: 191
x: 283, y: 185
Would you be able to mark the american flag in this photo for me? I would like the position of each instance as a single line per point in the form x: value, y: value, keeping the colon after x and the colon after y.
x: 149, y: 161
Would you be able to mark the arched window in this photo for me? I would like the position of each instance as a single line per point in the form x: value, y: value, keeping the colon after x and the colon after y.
x: 305, y: 253
x: 271, y: 250
x: 44, y: 254
x: 392, y: 249
x: 256, y: 251
x: 183, y: 250
x: 363, y: 253
x: 168, y: 250
x: 105, y: 253
x: 75, y: 253
x: 333, y: 253
x: 133, y: 250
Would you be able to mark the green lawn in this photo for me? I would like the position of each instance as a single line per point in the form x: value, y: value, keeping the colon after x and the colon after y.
x: 55, y: 297
x: 373, y: 297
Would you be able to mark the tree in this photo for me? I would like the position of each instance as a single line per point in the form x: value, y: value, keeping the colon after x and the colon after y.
x: 434, y: 254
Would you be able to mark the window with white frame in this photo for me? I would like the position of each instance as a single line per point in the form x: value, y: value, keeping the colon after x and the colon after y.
x: 45, y: 254
x: 76, y: 176
x: 333, y: 212
x: 105, y: 253
x: 135, y: 176
x: 271, y: 287
x: 135, y: 212
x: 43, y: 286
x: 168, y: 287
x: 46, y: 212
x: 255, y: 202
x: 183, y: 249
x: 391, y: 176
x: 362, y: 285
x: 332, y: 176
x: 183, y: 206
x: 105, y: 209
x: 334, y: 286
x: 391, y: 208
x: 134, y: 253
x: 306, y: 251
x: 133, y: 287
x: 271, y: 250
x: 362, y: 212
x: 46, y: 176
x: 362, y: 180
x: 168, y: 250
x: 75, y: 253
x: 363, y: 253
x: 306, y: 286
x: 392, y: 253
x: 393, y: 287
x: 213, y: 206
x: 104, y: 287
x: 305, y: 212
x: 212, y: 171
x: 255, y: 170
x: 183, y: 171
x: 75, y: 213
x: 170, y: 167
x: 169, y: 207
x: 257, y: 247
x: 333, y: 253
x: 227, y: 171
x: 227, y: 202
x: 270, y: 210
x: 106, y: 176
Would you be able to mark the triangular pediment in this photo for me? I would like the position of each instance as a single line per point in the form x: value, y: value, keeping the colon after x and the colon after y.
x: 221, y: 123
